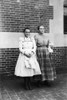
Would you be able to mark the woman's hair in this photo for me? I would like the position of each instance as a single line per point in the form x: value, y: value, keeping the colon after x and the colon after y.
x: 25, y: 29
x: 38, y: 27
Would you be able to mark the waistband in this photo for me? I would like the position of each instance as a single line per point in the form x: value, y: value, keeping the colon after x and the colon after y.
x: 42, y: 46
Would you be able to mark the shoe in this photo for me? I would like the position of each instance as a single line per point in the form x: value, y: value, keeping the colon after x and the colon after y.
x: 39, y: 84
x: 47, y: 83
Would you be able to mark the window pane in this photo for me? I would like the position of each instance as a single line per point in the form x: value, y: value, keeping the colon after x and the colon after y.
x: 65, y: 24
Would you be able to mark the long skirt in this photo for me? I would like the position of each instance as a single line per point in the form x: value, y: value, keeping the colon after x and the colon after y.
x: 23, y: 71
x: 48, y: 71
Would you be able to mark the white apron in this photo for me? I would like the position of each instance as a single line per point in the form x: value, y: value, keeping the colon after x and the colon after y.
x: 27, y: 66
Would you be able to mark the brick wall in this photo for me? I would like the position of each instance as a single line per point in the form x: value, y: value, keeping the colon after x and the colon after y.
x: 16, y: 15
x: 59, y: 59
x: 9, y: 58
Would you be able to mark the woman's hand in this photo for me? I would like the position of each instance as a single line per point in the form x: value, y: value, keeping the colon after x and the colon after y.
x: 52, y: 47
x: 27, y: 55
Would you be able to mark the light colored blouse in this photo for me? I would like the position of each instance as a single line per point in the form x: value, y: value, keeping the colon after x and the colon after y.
x: 41, y: 40
x: 44, y: 41
x: 27, y: 45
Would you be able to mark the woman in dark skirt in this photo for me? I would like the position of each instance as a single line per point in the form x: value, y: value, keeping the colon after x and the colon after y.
x: 43, y: 54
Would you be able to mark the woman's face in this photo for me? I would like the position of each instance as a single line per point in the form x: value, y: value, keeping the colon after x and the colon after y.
x: 41, y: 29
x: 27, y: 33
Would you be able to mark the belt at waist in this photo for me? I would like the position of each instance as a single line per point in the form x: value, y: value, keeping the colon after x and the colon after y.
x: 42, y: 46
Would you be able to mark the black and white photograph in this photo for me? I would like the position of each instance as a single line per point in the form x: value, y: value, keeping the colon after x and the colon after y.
x: 33, y: 49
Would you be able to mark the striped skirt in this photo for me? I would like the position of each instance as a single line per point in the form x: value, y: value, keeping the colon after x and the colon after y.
x: 48, y: 71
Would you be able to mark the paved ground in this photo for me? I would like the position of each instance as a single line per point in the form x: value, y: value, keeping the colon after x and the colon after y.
x: 12, y: 89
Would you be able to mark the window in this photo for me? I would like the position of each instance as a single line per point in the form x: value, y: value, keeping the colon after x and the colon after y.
x: 65, y: 24
x: 65, y: 16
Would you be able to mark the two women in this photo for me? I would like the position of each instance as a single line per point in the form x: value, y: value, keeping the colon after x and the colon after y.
x: 27, y: 65
x: 44, y: 48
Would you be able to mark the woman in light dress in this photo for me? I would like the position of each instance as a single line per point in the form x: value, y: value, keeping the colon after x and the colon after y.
x: 44, y: 49
x: 27, y: 65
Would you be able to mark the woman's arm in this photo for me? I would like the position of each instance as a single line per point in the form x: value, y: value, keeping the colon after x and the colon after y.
x: 51, y: 44
x: 34, y: 46
x: 50, y: 47
x: 35, y: 37
x: 21, y: 48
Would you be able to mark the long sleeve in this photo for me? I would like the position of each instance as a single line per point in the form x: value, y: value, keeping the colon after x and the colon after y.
x: 35, y: 37
x: 34, y: 47
x: 50, y: 47
x: 51, y: 43
x: 21, y: 49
